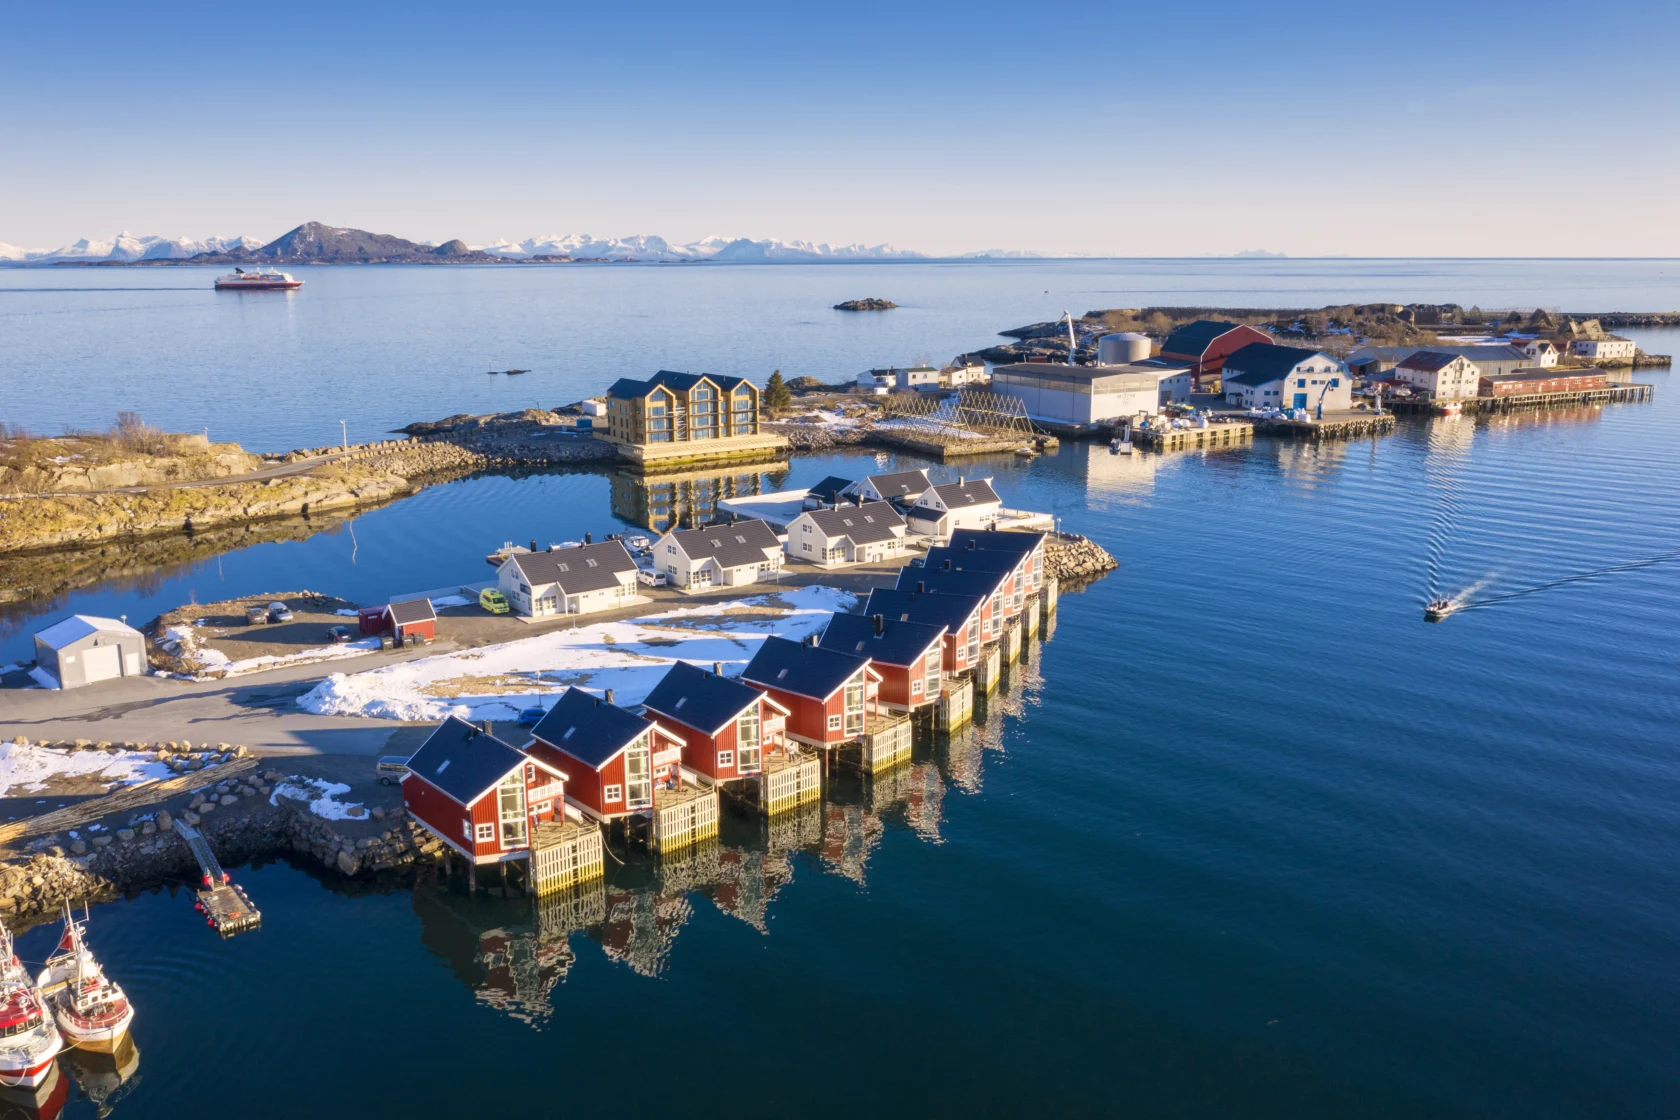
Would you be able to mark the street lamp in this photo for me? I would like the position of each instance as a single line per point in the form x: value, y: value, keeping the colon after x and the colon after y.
x: 344, y: 434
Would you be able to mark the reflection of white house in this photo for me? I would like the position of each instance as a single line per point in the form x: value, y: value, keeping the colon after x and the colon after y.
x: 1541, y: 354
x: 580, y: 580
x: 850, y: 534
x: 1604, y: 351
x: 900, y: 485
x: 1445, y: 377
x: 965, y: 504
x: 719, y: 555
x: 1264, y: 375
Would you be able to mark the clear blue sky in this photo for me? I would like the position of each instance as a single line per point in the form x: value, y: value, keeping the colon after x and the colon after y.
x: 1114, y: 129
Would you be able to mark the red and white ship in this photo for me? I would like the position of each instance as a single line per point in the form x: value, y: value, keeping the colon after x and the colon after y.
x: 91, y: 1010
x: 262, y: 280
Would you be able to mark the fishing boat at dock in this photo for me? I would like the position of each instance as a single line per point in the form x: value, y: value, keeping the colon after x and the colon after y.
x: 29, y: 1038
x: 90, y: 1008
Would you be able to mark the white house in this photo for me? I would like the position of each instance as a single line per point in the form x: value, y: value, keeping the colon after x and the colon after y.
x: 872, y: 379
x: 1605, y: 351
x: 719, y: 555
x: 1264, y: 375
x: 579, y: 580
x: 850, y: 534
x: 1541, y: 354
x: 964, y: 504
x: 899, y: 485
x: 918, y: 377
x: 1079, y: 397
x: 1445, y: 377
x: 973, y: 373
x: 1175, y: 384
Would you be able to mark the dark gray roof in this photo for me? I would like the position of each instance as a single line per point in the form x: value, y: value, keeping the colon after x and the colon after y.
x: 961, y: 495
x: 899, y: 484
x: 801, y: 669
x: 588, y: 567
x: 829, y: 488
x: 969, y: 560
x: 941, y: 581
x: 463, y: 761
x: 1012, y: 541
x: 1194, y: 338
x: 870, y: 523
x: 626, y: 388
x: 588, y: 728
x: 411, y: 610
x: 949, y: 609
x: 691, y: 696
x: 898, y: 643
x: 1429, y: 360
x: 732, y: 546
x: 1259, y: 362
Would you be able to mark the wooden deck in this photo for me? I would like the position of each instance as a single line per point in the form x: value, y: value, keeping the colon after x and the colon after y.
x: 565, y: 854
x: 1232, y: 434
x: 886, y: 742
x: 680, y: 817
x: 1610, y: 394
x: 789, y: 782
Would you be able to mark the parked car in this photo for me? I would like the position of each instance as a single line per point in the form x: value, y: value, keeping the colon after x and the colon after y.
x: 256, y: 616
x: 652, y: 579
x: 493, y: 601
x: 391, y: 768
x: 279, y: 612
x: 340, y: 635
x: 530, y: 717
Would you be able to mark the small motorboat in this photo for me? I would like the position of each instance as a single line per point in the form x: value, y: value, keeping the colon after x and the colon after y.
x: 91, y: 1009
x: 493, y: 372
x: 1438, y: 608
x: 1025, y: 453
x: 515, y: 372
x: 1120, y: 447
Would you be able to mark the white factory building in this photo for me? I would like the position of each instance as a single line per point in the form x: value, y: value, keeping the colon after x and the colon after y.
x: 1124, y: 382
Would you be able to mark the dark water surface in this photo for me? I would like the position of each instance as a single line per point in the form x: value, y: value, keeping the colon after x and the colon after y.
x: 1247, y: 836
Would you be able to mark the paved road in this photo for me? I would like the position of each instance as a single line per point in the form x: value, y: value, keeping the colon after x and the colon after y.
x: 278, y: 470
x: 260, y: 710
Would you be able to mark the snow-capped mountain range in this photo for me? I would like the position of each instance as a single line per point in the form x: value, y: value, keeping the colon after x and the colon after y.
x: 127, y: 247
x: 640, y: 247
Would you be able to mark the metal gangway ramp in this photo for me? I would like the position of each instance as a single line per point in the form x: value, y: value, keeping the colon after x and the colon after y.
x: 225, y: 906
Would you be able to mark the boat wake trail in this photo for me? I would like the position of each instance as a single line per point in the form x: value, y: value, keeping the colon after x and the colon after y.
x: 1468, y: 603
x: 1444, y: 479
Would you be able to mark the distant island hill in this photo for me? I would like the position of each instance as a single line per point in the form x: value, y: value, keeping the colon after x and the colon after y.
x: 870, y: 304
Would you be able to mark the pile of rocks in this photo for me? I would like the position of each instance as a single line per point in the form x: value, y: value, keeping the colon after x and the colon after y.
x: 401, y: 844
x: 44, y: 882
x: 817, y: 437
x: 1072, y: 556
x: 227, y: 792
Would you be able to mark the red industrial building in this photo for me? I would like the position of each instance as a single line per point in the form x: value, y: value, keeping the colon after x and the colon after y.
x: 727, y: 727
x: 612, y: 758
x: 479, y: 795
x: 828, y: 695
x: 1205, y: 344
x: 1519, y: 382
x: 909, y: 656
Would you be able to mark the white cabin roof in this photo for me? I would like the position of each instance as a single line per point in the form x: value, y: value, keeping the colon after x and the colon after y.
x: 78, y: 626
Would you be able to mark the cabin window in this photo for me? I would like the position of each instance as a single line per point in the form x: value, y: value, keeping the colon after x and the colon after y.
x: 932, y: 664
x: 511, y: 798
x: 466, y: 829
x: 854, y: 706
x: 486, y: 832
x: 726, y: 759
x: 915, y: 688
x: 612, y: 794
x: 973, y: 641
x: 746, y: 740
x: 638, y: 776
x: 834, y: 723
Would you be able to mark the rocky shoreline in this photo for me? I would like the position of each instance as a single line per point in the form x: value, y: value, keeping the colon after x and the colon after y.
x: 1071, y: 556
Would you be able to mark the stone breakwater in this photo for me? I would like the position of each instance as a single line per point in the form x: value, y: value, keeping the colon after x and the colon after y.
x: 818, y: 437
x: 1070, y: 556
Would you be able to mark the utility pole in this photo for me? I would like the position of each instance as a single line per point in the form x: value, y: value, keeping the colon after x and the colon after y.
x: 344, y: 434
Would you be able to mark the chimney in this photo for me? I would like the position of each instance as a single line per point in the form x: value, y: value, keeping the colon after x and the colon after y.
x: 921, y: 587
x: 971, y: 543
x: 609, y: 696
x: 880, y: 624
x: 947, y: 563
x: 597, y: 701
x: 484, y: 727
x: 588, y: 539
x: 717, y: 668
x: 811, y: 640
x: 533, y: 544
x: 857, y: 500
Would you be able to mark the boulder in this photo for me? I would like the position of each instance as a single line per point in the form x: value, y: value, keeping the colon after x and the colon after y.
x: 229, y: 799
x: 189, y: 817
x: 347, y: 863
x: 148, y: 828
x: 101, y: 841
x: 125, y: 834
x: 78, y: 847
x: 207, y: 807
x: 165, y: 822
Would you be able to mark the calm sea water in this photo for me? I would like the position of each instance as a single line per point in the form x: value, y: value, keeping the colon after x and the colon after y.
x: 1248, y: 837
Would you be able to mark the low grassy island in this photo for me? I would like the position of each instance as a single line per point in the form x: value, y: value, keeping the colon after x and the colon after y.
x: 871, y: 304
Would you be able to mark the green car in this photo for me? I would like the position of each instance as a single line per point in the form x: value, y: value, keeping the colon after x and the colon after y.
x: 493, y: 601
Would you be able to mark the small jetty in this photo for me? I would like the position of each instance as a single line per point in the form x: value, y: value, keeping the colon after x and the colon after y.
x: 1232, y: 433
x: 1351, y: 427
x: 226, y: 907
x: 1611, y: 394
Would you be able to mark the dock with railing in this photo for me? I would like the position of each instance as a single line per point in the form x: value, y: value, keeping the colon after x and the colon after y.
x: 681, y: 816
x: 565, y: 854
x: 1232, y: 433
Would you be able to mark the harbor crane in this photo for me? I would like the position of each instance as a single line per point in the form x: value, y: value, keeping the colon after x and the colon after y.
x: 1073, y: 343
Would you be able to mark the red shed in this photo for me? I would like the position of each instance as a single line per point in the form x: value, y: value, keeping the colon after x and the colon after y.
x: 412, y: 616
x: 1205, y: 344
x: 479, y: 795
x: 727, y: 727
x: 909, y: 656
x: 826, y: 693
x: 613, y: 758
x: 1553, y: 380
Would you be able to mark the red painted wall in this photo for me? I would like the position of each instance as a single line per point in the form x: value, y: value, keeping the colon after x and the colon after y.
x: 1208, y: 364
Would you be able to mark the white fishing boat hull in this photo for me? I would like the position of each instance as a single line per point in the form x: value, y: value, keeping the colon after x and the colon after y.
x: 101, y: 1037
x: 26, y: 1061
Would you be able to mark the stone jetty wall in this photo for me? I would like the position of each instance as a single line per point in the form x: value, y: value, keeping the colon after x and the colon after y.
x: 1070, y: 556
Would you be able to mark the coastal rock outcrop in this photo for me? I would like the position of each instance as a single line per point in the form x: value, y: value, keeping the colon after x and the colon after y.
x: 1070, y: 556
x: 870, y: 304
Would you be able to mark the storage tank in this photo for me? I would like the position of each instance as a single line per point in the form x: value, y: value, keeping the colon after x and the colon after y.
x: 1119, y: 349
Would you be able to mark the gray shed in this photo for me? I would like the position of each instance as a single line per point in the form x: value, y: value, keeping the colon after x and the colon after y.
x: 85, y: 648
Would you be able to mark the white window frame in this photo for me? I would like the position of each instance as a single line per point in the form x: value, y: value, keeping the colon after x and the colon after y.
x: 834, y: 723
x: 466, y: 828
x: 916, y: 687
x: 484, y: 833
x: 725, y: 759
x: 612, y: 795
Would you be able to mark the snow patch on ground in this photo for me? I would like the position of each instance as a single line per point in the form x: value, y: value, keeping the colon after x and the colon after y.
x: 30, y: 768
x: 43, y: 678
x: 351, y: 612
x: 321, y: 795
x: 450, y: 601
x: 629, y: 657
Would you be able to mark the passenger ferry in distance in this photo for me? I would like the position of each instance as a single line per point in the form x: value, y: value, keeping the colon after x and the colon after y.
x: 240, y: 280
